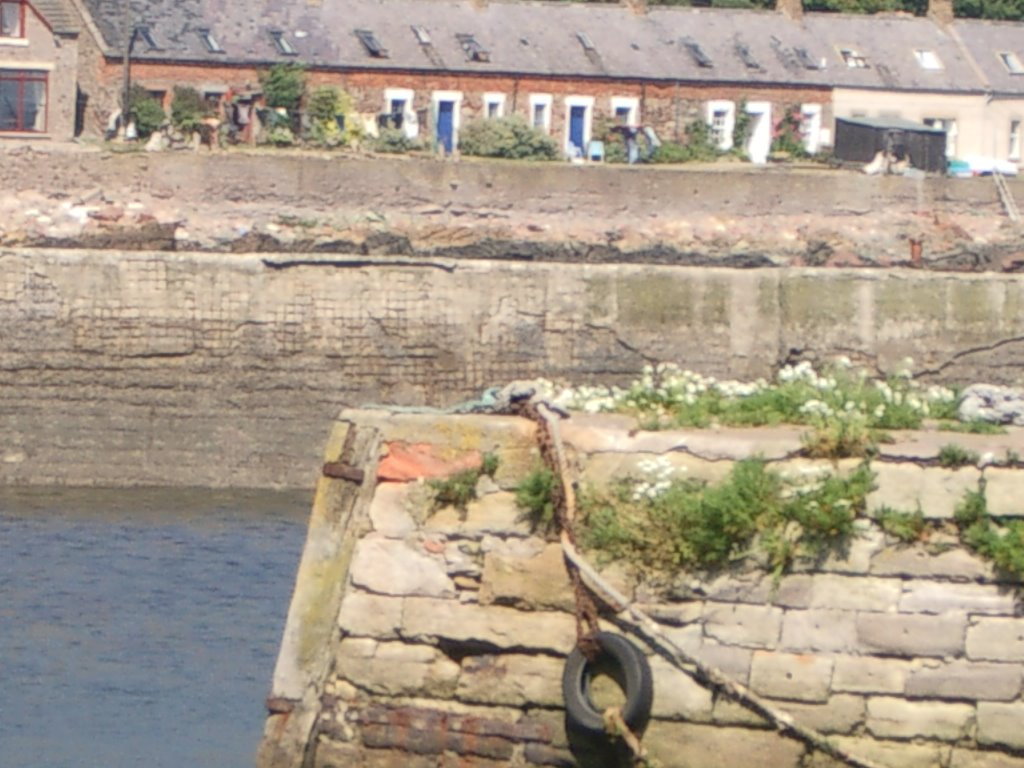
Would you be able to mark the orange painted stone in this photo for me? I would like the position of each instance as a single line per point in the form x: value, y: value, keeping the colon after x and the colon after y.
x: 411, y: 461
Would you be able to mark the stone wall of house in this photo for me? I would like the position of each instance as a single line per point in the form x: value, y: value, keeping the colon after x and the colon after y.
x: 418, y: 636
x: 57, y: 55
x: 137, y: 368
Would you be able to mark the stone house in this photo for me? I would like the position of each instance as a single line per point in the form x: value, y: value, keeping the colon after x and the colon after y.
x: 38, y: 69
x: 432, y: 66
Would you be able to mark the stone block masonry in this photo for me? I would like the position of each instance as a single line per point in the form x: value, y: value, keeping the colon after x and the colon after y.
x: 423, y: 637
x: 215, y: 370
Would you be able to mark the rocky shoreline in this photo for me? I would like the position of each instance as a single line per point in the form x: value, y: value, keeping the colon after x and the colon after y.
x: 75, y: 197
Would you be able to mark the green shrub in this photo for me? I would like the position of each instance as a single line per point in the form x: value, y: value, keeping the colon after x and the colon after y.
x: 669, y: 152
x: 149, y: 114
x: 507, y: 137
x: 393, y: 141
x: 283, y: 86
x: 688, y: 524
x: 188, y: 109
x: 326, y: 105
x: 1002, y: 544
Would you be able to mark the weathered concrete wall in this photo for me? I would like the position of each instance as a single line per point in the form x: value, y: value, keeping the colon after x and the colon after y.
x: 218, y: 370
x: 419, y: 637
x: 288, y: 178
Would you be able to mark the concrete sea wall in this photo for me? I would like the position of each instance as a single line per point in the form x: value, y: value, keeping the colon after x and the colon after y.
x: 421, y: 637
x: 134, y: 368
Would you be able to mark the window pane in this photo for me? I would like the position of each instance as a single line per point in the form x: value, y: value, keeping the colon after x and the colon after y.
x: 10, y: 19
x: 35, y: 106
x: 8, y: 105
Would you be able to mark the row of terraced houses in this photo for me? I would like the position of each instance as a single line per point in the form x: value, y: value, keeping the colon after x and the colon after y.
x: 433, y: 65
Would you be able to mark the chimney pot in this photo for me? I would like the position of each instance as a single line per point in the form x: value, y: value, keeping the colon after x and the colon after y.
x: 794, y: 9
x: 941, y: 11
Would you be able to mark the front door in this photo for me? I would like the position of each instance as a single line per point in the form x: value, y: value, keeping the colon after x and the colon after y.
x: 577, y: 120
x: 446, y: 125
x: 759, y: 144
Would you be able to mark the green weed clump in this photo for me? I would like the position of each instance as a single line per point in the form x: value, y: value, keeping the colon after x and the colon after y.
x: 1001, y: 543
x: 953, y: 455
x: 908, y: 527
x: 535, y: 500
x: 458, y: 489
x: 691, y: 525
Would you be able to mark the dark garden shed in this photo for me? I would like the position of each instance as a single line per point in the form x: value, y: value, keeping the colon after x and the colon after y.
x: 859, y: 139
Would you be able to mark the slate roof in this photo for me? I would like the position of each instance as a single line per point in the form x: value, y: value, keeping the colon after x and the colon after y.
x: 553, y: 39
x: 985, y: 40
x: 58, y: 15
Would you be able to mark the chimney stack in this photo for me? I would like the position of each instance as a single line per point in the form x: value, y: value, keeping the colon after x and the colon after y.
x: 941, y: 11
x: 639, y: 7
x: 794, y: 9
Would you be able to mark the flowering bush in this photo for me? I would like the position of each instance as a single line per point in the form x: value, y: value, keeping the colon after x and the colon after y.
x: 844, y: 405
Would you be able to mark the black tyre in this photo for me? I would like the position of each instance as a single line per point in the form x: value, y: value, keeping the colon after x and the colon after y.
x: 627, y: 665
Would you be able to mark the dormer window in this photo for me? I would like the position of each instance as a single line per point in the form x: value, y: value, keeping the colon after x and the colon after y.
x: 145, y: 34
x: 422, y: 36
x: 1012, y: 63
x: 748, y: 59
x: 282, y: 44
x: 474, y: 51
x: 927, y: 59
x: 211, y: 43
x: 586, y: 42
x: 806, y: 60
x: 697, y: 53
x: 371, y: 44
x: 853, y: 59
x: 12, y: 18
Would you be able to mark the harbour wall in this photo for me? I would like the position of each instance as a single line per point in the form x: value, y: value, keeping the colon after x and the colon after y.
x: 142, y: 368
x: 422, y: 637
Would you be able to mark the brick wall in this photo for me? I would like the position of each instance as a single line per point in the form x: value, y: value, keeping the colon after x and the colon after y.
x: 445, y: 643
x: 665, y: 107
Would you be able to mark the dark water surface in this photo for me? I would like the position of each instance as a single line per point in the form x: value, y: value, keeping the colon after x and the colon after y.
x: 140, y: 628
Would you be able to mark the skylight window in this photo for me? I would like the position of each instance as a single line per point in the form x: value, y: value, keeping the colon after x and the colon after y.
x: 585, y: 41
x: 371, y: 44
x: 474, y: 51
x: 853, y: 59
x: 422, y: 36
x: 145, y: 34
x: 743, y: 51
x: 1012, y: 63
x: 282, y: 44
x: 806, y: 60
x: 697, y: 53
x: 927, y: 59
x: 211, y: 43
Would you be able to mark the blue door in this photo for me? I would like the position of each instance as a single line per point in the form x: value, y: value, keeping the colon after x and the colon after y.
x: 446, y: 125
x: 576, y: 119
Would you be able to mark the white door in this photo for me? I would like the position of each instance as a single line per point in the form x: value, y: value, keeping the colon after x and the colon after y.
x: 759, y: 143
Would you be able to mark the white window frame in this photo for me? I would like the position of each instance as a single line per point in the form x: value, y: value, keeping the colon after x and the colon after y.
x: 410, y: 125
x: 1015, y: 139
x: 631, y: 103
x: 435, y: 106
x: 541, y: 100
x: 949, y: 125
x: 497, y: 99
x: 1011, y: 61
x: 810, y: 125
x: 928, y: 60
x: 728, y: 125
x: 587, y: 102
x: 852, y: 58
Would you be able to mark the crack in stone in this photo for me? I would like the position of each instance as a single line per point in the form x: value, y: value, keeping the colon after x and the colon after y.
x: 970, y: 351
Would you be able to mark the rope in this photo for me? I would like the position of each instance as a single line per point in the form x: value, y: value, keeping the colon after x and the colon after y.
x: 587, y: 584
